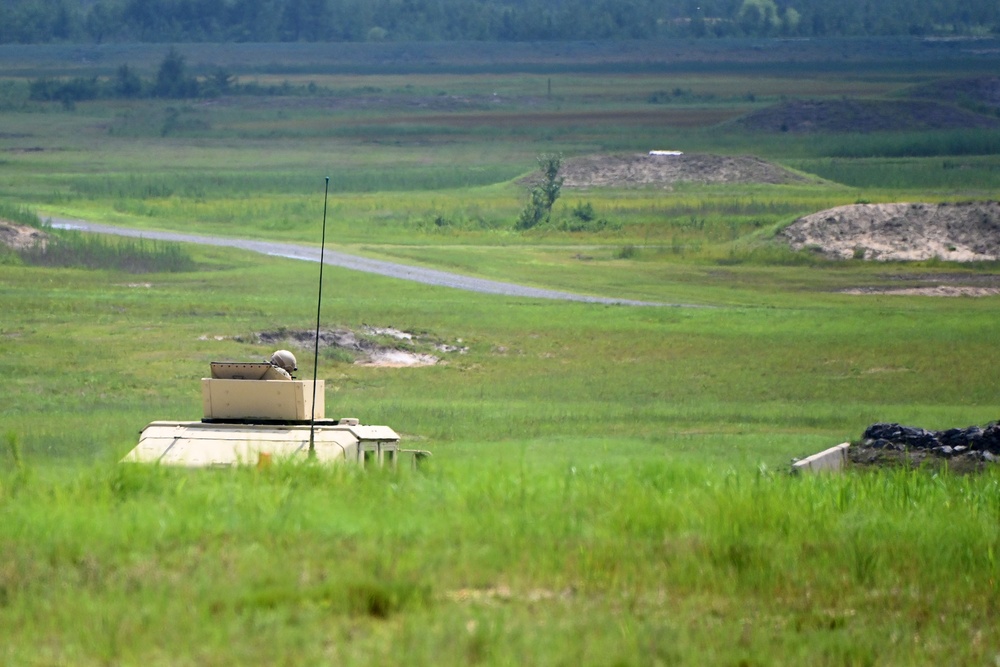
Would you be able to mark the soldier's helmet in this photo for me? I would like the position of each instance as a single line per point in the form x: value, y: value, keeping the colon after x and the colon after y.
x: 284, y: 359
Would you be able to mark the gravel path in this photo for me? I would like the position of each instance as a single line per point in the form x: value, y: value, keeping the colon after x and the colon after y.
x: 347, y: 261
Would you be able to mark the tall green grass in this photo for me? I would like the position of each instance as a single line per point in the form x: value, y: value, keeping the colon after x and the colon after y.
x: 216, y: 184
x: 946, y: 175
x: 912, y: 144
x: 74, y: 249
x: 522, y: 560
x: 20, y: 214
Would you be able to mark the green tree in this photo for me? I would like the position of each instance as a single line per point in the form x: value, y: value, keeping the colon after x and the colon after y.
x: 172, y: 79
x: 544, y: 195
x: 102, y: 21
x: 127, y: 83
x: 758, y: 17
x: 221, y: 80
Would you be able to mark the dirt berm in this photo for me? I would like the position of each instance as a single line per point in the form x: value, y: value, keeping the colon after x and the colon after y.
x: 644, y: 170
x: 964, y: 232
x: 19, y: 237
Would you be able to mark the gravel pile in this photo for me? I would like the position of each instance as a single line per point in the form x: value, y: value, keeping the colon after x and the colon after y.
x: 960, y: 449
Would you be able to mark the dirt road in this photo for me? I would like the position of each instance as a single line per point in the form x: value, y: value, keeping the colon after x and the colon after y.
x: 356, y: 263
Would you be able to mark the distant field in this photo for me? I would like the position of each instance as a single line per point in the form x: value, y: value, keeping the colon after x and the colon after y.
x: 609, y: 484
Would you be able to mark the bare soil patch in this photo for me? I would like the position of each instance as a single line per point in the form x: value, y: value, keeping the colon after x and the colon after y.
x: 934, y: 290
x: 19, y: 237
x: 965, y: 232
x: 372, y: 346
x: 644, y: 170
x: 806, y: 116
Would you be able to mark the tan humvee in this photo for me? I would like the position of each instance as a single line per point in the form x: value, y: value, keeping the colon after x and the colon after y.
x: 252, y: 419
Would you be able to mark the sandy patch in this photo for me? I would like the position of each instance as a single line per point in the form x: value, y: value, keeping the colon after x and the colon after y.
x: 965, y: 232
x: 396, y: 359
x: 664, y: 170
x: 367, y: 347
x: 19, y: 237
x: 939, y: 290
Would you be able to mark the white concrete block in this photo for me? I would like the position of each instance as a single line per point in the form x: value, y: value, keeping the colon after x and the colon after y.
x: 832, y: 459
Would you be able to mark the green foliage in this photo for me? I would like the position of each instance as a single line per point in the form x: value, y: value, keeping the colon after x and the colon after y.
x: 172, y: 79
x: 627, y: 251
x: 19, y: 214
x: 67, y: 92
x: 543, y: 195
x: 13, y: 447
x: 127, y: 83
x: 944, y: 143
x: 772, y: 254
x: 32, y: 21
x: 73, y: 249
x: 946, y: 174
x: 584, y: 212
x: 584, y: 219
x: 535, y: 211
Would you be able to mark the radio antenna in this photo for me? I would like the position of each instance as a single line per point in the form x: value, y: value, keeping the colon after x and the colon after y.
x: 319, y: 305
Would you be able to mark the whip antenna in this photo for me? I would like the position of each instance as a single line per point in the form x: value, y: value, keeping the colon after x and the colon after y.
x: 319, y: 305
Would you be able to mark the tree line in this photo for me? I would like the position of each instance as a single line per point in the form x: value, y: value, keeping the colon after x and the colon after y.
x: 172, y: 81
x: 97, y: 21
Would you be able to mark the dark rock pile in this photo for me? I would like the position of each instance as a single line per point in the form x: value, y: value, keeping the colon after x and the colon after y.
x: 963, y: 449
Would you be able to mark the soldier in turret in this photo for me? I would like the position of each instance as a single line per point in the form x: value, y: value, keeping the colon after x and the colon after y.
x: 283, y: 364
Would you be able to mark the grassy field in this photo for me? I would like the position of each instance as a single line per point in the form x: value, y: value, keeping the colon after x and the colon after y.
x: 609, y: 484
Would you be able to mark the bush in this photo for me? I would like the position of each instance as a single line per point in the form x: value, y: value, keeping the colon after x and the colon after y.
x: 626, y: 252
x: 543, y: 195
x: 577, y: 225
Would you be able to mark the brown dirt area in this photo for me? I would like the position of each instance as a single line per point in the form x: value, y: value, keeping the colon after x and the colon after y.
x: 371, y: 346
x: 964, y: 232
x: 19, y: 237
x: 663, y: 171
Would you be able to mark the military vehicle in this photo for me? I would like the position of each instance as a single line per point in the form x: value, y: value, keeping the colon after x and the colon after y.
x: 256, y: 413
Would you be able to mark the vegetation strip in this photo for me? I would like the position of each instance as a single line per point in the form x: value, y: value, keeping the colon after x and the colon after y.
x: 355, y: 263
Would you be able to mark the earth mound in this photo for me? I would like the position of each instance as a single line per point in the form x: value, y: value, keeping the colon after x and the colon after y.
x: 643, y: 170
x: 964, y: 232
x: 19, y: 237
x: 862, y: 116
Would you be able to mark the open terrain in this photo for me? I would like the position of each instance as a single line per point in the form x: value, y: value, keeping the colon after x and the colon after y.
x: 609, y: 482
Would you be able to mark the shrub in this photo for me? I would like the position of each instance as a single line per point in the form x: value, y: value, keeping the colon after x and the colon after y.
x: 543, y: 195
x: 627, y: 251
